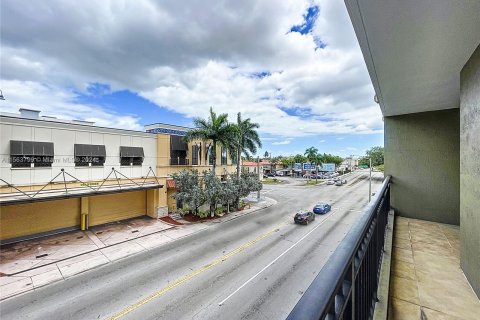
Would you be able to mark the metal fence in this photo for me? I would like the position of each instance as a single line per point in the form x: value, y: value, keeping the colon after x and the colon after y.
x: 346, y: 287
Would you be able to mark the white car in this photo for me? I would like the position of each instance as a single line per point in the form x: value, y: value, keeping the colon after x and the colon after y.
x: 330, y: 182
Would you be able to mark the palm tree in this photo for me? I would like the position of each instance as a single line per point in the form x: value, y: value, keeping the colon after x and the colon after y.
x: 311, y: 154
x: 215, y: 129
x: 247, y: 139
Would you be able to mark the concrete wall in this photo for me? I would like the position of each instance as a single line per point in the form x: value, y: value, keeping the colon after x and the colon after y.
x: 470, y: 170
x: 422, y: 156
x: 64, y: 136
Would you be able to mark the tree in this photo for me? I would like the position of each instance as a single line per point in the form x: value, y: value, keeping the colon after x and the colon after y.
x: 213, y: 190
x: 248, y: 182
x: 287, y: 161
x: 311, y: 154
x: 273, y: 162
x: 265, y: 155
x: 230, y: 191
x: 188, y: 189
x: 247, y: 139
x: 216, y: 129
x: 376, y: 154
x: 329, y: 158
x: 299, y: 158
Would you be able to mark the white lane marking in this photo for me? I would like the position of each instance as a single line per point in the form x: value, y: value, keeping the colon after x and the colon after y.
x: 275, y: 260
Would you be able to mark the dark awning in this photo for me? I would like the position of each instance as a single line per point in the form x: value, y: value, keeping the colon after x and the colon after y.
x: 133, y: 152
x: 31, y: 148
x: 177, y: 143
x: 89, y: 150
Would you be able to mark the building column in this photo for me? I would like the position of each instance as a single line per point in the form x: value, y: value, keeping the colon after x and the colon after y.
x: 470, y: 170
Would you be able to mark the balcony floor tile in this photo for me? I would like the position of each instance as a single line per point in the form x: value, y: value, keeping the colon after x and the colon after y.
x: 426, y: 279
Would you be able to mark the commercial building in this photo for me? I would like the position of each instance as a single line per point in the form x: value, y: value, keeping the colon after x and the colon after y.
x: 59, y: 175
x: 174, y: 155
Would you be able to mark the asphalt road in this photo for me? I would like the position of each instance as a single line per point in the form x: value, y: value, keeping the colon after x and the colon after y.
x: 253, y: 267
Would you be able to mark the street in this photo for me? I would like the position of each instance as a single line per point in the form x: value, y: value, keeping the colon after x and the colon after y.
x: 253, y: 267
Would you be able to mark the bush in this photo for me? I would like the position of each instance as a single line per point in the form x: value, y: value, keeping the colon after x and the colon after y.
x: 202, y: 214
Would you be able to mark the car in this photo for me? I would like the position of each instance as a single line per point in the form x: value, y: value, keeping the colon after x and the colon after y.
x: 336, y: 179
x: 330, y: 182
x: 279, y: 173
x: 344, y: 181
x: 338, y: 183
x: 304, y: 217
x: 322, y: 208
x: 272, y: 175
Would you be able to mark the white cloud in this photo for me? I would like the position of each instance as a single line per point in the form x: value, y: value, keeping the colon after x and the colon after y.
x: 322, y: 141
x: 189, y: 60
x: 287, y: 141
x: 59, y: 103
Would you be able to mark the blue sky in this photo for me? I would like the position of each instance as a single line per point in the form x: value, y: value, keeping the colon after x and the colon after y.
x: 299, y: 73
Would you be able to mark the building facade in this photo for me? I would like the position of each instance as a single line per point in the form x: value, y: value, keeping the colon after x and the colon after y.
x: 59, y: 175
x: 174, y: 155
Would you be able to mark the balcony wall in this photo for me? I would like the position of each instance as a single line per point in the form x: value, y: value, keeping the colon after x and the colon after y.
x: 470, y: 170
x: 422, y: 156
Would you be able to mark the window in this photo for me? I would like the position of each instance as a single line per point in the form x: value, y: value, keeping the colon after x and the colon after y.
x: 224, y: 156
x: 89, y: 155
x: 178, y: 151
x: 27, y: 154
x: 195, y: 152
x: 131, y: 156
x: 210, y: 155
x: 234, y: 158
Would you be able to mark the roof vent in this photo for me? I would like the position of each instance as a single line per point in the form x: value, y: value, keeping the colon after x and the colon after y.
x: 29, y: 113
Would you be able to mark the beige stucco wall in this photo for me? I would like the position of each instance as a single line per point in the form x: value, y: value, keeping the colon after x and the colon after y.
x: 470, y: 170
x: 422, y: 156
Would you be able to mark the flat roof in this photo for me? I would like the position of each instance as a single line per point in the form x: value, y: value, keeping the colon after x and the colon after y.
x: 13, y: 198
x: 67, y: 124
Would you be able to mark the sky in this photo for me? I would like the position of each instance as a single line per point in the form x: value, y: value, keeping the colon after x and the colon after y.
x: 294, y: 67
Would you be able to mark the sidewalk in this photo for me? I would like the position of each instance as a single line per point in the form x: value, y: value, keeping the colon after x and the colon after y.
x: 31, y: 264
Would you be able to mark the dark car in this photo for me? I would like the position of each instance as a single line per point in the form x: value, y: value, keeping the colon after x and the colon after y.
x: 272, y: 175
x: 322, y: 208
x: 304, y: 217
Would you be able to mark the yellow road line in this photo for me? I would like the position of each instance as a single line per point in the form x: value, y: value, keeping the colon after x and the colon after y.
x: 191, y: 275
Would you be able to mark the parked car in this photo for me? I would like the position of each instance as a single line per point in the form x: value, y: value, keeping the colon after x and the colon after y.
x: 344, y: 181
x: 338, y: 183
x: 330, y: 182
x: 272, y: 175
x: 279, y: 173
x: 336, y: 179
x: 322, y: 208
x: 304, y: 217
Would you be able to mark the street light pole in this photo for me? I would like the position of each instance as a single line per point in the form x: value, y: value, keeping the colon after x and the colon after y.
x: 370, y: 182
x: 258, y: 171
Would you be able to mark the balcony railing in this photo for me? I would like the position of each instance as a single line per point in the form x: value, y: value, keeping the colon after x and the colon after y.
x: 346, y: 287
x: 179, y: 162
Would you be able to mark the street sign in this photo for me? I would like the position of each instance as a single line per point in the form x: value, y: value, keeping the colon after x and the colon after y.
x: 328, y: 167
x: 297, y: 166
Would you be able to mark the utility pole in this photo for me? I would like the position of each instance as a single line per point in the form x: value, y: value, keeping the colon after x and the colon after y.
x: 258, y: 171
x: 370, y: 182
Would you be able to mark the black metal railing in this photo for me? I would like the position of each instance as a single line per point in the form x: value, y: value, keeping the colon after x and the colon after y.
x: 346, y: 287
x: 179, y: 161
